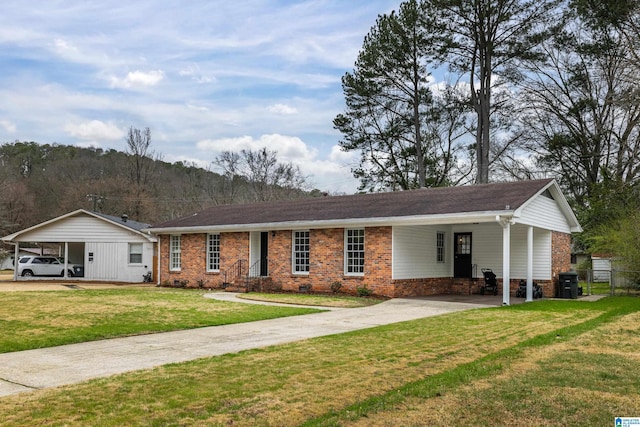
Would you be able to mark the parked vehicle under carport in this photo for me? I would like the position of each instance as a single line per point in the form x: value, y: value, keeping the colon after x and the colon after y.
x: 29, y: 266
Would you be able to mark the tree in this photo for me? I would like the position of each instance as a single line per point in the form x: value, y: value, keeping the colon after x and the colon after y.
x: 621, y: 239
x: 268, y: 178
x: 388, y: 101
x: 141, y: 167
x: 483, y: 39
x: 583, y: 118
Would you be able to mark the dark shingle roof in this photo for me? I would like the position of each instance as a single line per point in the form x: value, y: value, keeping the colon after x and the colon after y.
x: 428, y: 201
x: 134, y: 225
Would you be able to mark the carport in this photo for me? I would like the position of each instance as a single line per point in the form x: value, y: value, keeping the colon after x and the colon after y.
x: 107, y: 247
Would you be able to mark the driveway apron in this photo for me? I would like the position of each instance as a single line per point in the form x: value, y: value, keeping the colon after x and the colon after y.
x: 69, y: 364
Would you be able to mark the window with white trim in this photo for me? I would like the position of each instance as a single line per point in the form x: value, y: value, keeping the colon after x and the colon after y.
x: 354, y: 251
x: 135, y: 253
x: 300, y: 255
x: 213, y: 252
x: 174, y: 253
x: 440, y: 246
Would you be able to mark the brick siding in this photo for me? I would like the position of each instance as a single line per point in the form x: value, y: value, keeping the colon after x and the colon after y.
x: 326, y: 264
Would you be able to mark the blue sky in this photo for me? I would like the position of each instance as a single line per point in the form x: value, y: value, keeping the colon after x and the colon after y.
x: 204, y: 76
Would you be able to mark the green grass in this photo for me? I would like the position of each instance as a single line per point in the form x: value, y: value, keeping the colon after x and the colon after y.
x: 542, y: 363
x: 314, y: 299
x: 597, y: 288
x: 44, y: 319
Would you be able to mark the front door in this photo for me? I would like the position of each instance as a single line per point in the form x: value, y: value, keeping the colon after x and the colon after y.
x: 462, y: 255
x: 264, y: 254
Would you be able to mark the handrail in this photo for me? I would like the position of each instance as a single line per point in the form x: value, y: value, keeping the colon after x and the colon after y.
x: 236, y: 270
x: 255, y: 269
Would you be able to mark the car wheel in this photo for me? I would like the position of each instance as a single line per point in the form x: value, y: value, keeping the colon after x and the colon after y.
x: 70, y: 273
x: 27, y: 273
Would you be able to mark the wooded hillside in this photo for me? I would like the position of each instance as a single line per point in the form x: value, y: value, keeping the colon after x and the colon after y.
x: 39, y: 182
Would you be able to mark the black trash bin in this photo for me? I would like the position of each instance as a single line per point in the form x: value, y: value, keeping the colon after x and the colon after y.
x: 568, y: 285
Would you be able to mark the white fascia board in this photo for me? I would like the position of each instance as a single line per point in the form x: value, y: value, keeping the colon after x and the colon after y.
x: 458, y: 218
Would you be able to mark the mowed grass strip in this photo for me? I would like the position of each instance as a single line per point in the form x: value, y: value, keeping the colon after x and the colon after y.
x: 582, y: 374
x: 43, y: 319
x: 313, y: 299
x: 288, y: 385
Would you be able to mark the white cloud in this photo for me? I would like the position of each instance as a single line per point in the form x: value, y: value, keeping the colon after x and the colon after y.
x: 332, y: 173
x: 193, y: 71
x: 94, y: 131
x: 63, y: 46
x: 282, y: 109
x: 289, y: 148
x: 339, y: 156
x: 138, y: 79
x: 8, y: 126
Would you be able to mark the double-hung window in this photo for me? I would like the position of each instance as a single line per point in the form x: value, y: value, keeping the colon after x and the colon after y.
x: 213, y: 252
x: 135, y: 253
x: 354, y: 251
x: 440, y: 246
x: 174, y: 253
x: 300, y: 254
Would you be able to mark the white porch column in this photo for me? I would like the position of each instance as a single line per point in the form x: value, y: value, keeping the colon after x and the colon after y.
x: 529, y: 264
x: 506, y: 260
x: 15, y: 261
x: 66, y: 259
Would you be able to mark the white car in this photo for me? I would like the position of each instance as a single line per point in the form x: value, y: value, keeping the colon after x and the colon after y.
x: 42, y: 266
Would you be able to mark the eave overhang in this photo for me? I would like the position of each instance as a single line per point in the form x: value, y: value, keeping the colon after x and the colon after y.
x: 441, y: 219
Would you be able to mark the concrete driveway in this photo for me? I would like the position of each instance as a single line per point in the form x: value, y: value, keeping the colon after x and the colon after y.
x: 30, y: 370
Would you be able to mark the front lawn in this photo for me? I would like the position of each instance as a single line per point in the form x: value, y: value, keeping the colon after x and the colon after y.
x: 569, y: 363
x: 44, y: 319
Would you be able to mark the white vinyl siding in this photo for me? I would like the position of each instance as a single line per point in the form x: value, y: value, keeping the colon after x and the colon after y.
x: 106, y: 262
x: 487, y: 250
x: 300, y: 252
x: 354, y: 252
x: 415, y: 252
x: 110, y: 261
x: 135, y: 253
x: 541, y: 253
x: 82, y: 228
x: 213, y: 252
x: 544, y: 212
x: 175, y: 262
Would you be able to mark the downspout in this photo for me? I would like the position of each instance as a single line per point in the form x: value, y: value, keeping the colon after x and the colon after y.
x: 159, y: 261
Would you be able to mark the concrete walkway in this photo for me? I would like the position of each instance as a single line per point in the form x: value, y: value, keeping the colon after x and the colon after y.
x: 56, y: 366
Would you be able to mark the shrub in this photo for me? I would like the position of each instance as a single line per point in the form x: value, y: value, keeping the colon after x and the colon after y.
x: 336, y: 286
x: 363, y: 291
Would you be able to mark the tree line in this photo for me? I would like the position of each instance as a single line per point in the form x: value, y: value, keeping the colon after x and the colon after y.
x: 525, y: 89
x: 41, y: 181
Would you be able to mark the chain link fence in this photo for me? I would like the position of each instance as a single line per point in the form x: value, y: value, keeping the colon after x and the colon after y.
x: 609, y: 282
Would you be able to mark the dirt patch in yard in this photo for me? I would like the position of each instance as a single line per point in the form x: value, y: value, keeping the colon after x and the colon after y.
x: 8, y: 285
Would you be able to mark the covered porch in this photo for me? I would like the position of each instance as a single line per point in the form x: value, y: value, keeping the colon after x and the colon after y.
x: 432, y: 259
